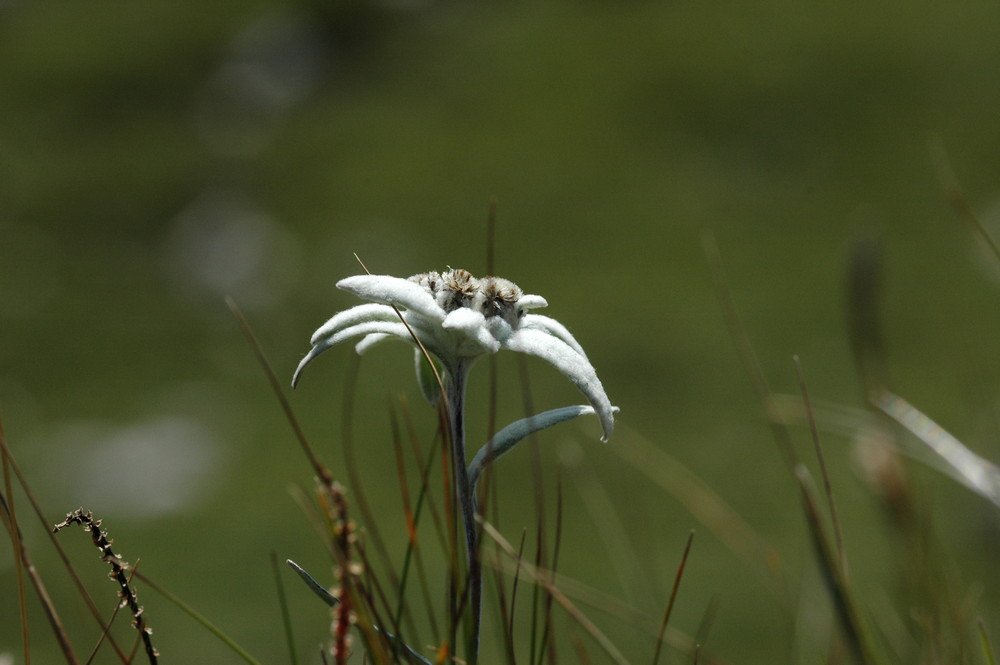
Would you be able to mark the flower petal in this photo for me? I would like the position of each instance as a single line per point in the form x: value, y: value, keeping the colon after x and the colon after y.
x: 366, y: 328
x: 429, y: 337
x: 574, y: 366
x: 368, y: 341
x: 553, y: 327
x: 529, y: 301
x: 472, y: 325
x: 393, y: 291
x: 353, y: 316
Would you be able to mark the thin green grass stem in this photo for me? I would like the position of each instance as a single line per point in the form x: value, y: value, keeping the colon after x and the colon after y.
x: 412, y: 545
x: 984, y: 640
x: 840, y: 591
x: 10, y: 521
x: 546, y: 645
x: 545, y: 580
x: 351, y: 466
x: 953, y: 190
x: 33, y: 575
x: 673, y: 597
x: 205, y: 623
x: 827, y: 485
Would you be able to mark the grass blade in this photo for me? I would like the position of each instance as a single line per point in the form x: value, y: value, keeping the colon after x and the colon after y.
x: 613, y: 535
x: 864, y: 286
x: 286, y: 617
x: 318, y: 467
x: 544, y: 579
x: 704, y: 503
x: 673, y: 597
x: 704, y: 626
x: 827, y: 485
x: 953, y: 191
x: 743, y: 347
x: 353, y: 476
x: 984, y: 641
x: 14, y: 531
x: 508, y: 617
x: 978, y: 474
x: 62, y: 637
x: 547, y: 645
x: 412, y: 555
x: 314, y: 586
x: 204, y: 622
x: 410, y: 519
x: 847, y: 612
x: 579, y: 649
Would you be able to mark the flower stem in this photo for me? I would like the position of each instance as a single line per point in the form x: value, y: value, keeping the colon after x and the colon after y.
x: 466, y: 501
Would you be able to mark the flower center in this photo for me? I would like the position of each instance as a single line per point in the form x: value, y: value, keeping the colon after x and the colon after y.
x: 491, y: 296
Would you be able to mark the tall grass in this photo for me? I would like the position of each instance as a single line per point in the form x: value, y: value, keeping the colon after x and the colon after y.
x: 415, y: 606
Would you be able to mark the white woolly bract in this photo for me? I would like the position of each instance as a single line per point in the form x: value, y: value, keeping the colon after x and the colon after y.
x: 457, y: 317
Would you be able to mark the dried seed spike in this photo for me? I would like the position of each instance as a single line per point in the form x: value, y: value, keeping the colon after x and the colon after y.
x: 126, y: 595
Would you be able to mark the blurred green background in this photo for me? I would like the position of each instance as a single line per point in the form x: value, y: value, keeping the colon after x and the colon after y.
x: 156, y: 157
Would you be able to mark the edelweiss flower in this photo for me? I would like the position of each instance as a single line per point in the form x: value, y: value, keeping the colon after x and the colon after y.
x: 458, y: 319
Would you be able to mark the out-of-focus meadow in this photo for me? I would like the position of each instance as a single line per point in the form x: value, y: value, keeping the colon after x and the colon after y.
x: 156, y: 157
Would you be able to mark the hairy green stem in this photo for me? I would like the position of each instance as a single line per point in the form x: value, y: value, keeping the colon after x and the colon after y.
x: 466, y: 501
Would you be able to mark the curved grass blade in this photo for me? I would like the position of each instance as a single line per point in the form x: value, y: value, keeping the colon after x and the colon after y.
x: 978, y: 474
